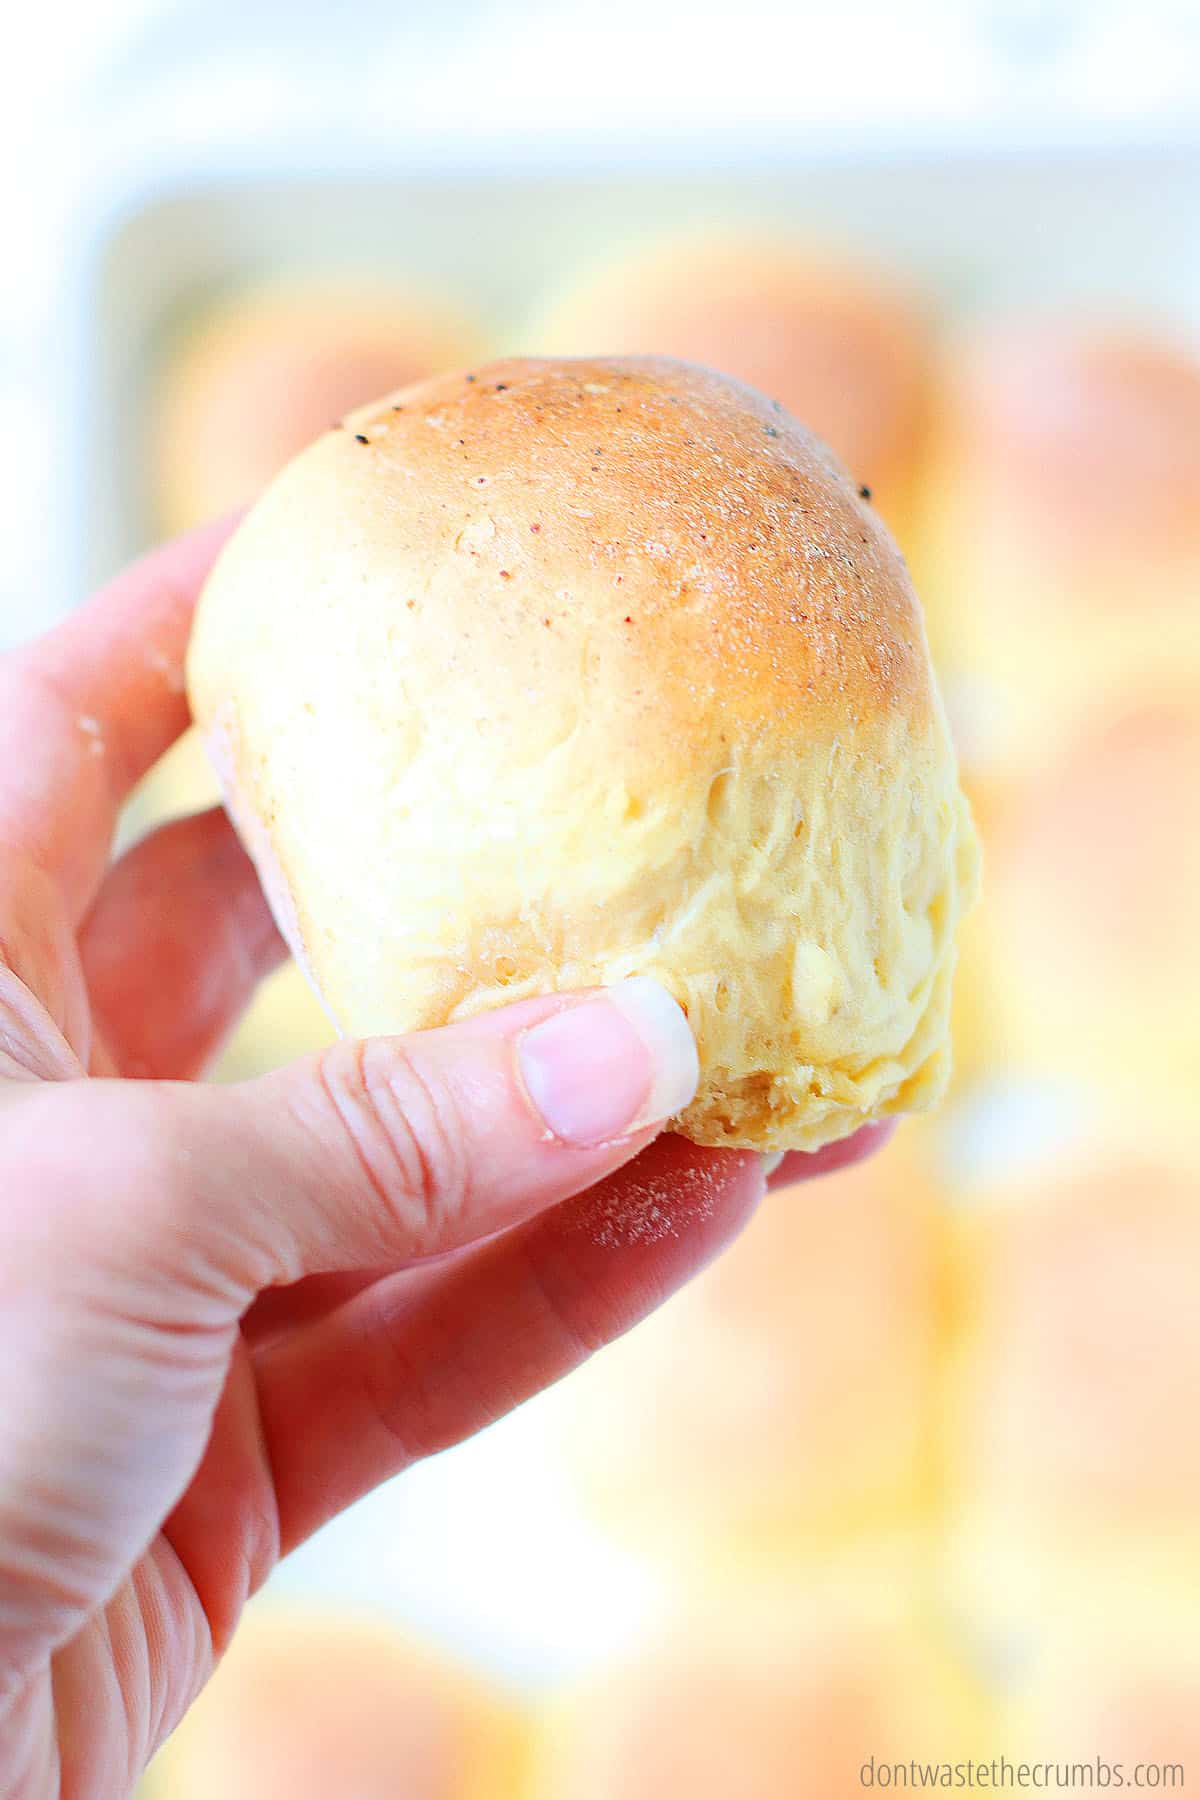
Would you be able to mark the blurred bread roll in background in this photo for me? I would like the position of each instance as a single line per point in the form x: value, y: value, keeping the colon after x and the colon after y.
x: 786, y: 1397
x: 983, y: 1047
x: 1061, y: 544
x: 1094, y: 884
x: 248, y: 381
x: 843, y: 346
x: 1075, y: 1385
x: 775, y: 1689
x: 1117, y: 1680
x: 561, y: 672
x: 1088, y: 1653
x: 308, y: 1705
x: 258, y: 374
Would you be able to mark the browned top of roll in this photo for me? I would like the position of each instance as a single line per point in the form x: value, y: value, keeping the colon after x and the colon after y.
x: 669, y: 503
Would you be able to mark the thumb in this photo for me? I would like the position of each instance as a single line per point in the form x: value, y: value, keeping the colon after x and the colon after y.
x: 380, y: 1152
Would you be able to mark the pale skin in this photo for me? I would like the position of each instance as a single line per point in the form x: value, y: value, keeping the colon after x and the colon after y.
x: 227, y: 1312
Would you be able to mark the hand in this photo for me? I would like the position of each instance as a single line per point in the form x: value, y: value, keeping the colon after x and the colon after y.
x: 227, y: 1312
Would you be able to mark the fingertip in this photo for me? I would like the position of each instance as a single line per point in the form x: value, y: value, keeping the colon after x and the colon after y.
x: 677, y: 1193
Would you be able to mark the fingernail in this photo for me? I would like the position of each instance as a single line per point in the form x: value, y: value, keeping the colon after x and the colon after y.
x: 771, y: 1162
x: 610, y: 1066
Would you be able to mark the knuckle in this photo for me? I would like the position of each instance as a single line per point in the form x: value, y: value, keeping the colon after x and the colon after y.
x: 394, y: 1390
x: 32, y: 1047
x: 576, y: 1322
x: 423, y: 1403
x: 405, y: 1133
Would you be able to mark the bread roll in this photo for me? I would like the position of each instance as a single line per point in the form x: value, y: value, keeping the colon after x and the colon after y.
x: 1062, y: 535
x: 257, y: 375
x: 1077, y: 1383
x: 843, y: 346
x: 1117, y: 1683
x: 1095, y: 888
x: 778, y: 1689
x: 307, y: 1706
x: 1090, y: 1652
x: 786, y: 1397
x: 560, y: 672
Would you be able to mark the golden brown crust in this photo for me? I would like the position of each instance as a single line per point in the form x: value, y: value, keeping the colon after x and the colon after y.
x: 735, y: 541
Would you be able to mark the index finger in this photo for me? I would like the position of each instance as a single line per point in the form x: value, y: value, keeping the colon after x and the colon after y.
x: 92, y: 705
x: 414, y: 1364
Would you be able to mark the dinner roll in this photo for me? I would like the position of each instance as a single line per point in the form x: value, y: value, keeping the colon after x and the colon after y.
x: 772, y: 1689
x: 257, y: 374
x: 309, y: 1705
x: 1116, y: 1684
x: 1077, y: 1379
x: 1062, y: 534
x: 1095, y: 889
x: 786, y: 1398
x: 1087, y: 1650
x: 842, y: 345
x: 982, y: 1049
x: 559, y: 672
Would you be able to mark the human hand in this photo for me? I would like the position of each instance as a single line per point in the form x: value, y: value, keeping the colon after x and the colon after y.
x: 227, y: 1312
